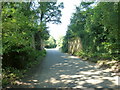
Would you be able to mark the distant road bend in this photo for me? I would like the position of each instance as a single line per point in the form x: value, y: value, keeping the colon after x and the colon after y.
x: 62, y: 70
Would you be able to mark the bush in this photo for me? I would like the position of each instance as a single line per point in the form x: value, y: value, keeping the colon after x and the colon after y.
x: 13, y: 72
x: 19, y: 56
x: 10, y: 74
x: 50, y: 46
x: 80, y: 53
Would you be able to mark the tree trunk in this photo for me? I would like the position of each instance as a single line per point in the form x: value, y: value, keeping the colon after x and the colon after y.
x: 33, y: 41
x: 37, y: 41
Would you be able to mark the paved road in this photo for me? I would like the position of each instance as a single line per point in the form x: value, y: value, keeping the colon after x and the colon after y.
x: 63, y: 70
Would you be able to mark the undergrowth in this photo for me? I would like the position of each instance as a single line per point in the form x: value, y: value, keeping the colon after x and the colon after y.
x: 11, y: 74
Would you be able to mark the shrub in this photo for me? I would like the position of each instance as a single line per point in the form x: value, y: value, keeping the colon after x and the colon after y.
x: 19, y: 56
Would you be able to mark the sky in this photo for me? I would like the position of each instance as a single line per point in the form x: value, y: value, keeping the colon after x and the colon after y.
x: 60, y: 30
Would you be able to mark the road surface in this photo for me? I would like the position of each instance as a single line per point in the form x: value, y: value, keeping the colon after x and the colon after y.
x: 62, y: 70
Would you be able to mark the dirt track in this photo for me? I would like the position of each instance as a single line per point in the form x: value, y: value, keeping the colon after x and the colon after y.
x: 62, y: 70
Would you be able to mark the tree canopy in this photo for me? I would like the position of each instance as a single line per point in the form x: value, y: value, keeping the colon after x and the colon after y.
x: 96, y: 24
x: 24, y: 27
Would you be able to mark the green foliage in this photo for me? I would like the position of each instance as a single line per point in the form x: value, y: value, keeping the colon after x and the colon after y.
x: 11, y: 74
x: 60, y: 41
x: 97, y: 27
x: 50, y: 12
x: 24, y: 27
x: 47, y: 12
x: 50, y: 43
x: 22, y: 34
x: 19, y: 56
x: 80, y: 53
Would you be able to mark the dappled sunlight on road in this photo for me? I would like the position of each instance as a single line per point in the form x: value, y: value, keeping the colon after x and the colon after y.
x: 69, y: 71
x: 28, y: 83
x: 53, y: 80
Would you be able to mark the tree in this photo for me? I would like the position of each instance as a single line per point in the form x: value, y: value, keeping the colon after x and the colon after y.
x: 60, y: 41
x: 50, y: 43
x: 22, y: 33
x: 97, y: 27
x: 47, y: 12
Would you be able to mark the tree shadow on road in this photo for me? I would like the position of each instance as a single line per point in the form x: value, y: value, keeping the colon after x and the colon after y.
x: 70, y: 72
